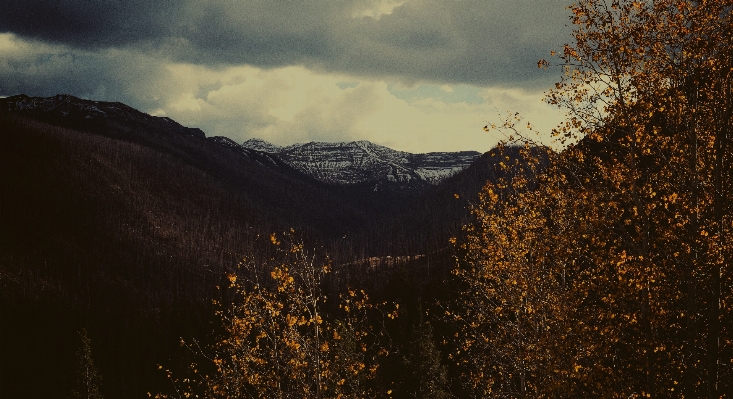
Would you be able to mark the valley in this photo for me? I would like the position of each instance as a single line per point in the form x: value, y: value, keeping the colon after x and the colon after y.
x: 122, y: 222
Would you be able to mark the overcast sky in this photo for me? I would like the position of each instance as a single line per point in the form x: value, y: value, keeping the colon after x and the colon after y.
x: 413, y: 75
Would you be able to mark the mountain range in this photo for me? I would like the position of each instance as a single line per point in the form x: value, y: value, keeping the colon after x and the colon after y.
x: 335, y: 163
x: 363, y: 161
x: 353, y: 189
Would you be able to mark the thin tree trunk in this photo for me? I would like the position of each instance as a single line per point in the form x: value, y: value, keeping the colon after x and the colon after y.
x: 714, y: 329
x: 691, y: 275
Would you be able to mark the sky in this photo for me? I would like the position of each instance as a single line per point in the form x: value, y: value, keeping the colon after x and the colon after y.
x: 413, y: 75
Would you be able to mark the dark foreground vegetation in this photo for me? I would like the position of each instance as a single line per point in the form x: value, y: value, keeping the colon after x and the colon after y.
x: 138, y: 259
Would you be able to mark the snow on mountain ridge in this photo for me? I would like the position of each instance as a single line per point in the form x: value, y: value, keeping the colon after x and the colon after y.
x: 262, y: 145
x: 363, y: 161
x: 347, y: 163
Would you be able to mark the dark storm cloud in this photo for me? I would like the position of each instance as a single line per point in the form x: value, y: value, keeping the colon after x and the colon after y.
x: 35, y: 68
x: 88, y: 24
x: 484, y: 43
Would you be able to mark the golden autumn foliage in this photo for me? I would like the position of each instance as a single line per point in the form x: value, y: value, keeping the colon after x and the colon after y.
x: 608, y: 274
x: 283, y: 338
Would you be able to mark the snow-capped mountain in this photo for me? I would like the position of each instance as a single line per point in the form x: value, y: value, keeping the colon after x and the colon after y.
x: 363, y: 161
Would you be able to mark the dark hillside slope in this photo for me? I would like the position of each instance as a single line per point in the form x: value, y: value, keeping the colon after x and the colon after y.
x: 425, y: 224
x: 277, y: 191
x: 124, y: 223
x: 128, y: 240
x: 395, y: 216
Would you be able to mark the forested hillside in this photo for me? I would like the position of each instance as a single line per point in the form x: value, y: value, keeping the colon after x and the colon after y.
x: 609, y: 274
x: 112, y: 235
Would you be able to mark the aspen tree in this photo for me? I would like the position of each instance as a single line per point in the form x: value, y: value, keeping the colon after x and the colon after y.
x: 280, y: 342
x: 626, y: 235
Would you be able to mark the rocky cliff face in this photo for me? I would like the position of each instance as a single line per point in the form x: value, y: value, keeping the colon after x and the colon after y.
x: 363, y: 161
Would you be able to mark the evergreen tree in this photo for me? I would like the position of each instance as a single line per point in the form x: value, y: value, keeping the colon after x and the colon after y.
x: 88, y: 378
x: 425, y: 361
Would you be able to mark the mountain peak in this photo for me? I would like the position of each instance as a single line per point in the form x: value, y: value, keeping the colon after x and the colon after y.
x: 262, y: 145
